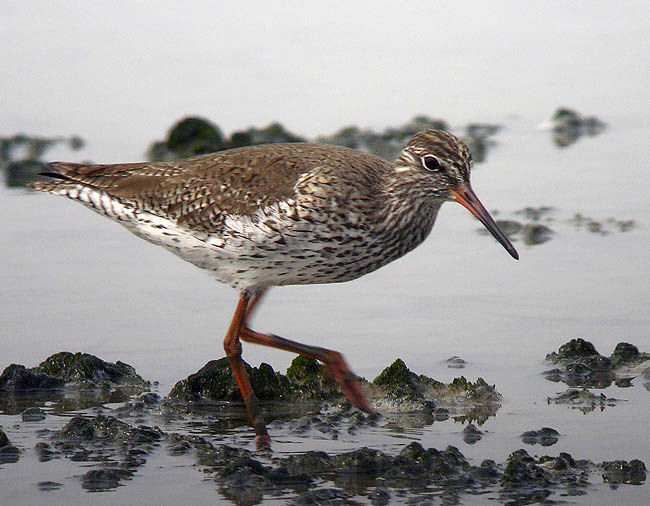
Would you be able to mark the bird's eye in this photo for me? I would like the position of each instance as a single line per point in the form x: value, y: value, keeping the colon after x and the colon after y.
x: 430, y: 162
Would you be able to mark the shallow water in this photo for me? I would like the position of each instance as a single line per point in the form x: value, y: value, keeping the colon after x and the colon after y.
x: 74, y: 281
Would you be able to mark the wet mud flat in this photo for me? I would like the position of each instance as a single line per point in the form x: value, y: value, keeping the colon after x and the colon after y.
x: 98, y: 425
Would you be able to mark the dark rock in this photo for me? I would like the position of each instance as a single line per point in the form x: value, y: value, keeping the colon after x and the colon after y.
x: 104, y: 479
x: 194, y: 136
x: 17, y: 378
x: 215, y: 382
x: 362, y: 461
x: 244, y: 480
x: 33, y: 414
x: 9, y: 454
x: 624, y: 354
x: 568, y: 126
x: 536, y: 233
x: 546, y: 436
x: 471, y: 434
x: 455, y: 362
x: 584, y: 366
x: 271, y: 134
x: 83, y: 367
x: 330, y: 496
x: 45, y: 452
x: 622, y: 471
x: 509, y: 227
x: 535, y: 213
x: 20, y: 173
x: 478, y: 139
x: 312, y: 463
x: 150, y: 398
x: 583, y: 399
x: 309, y: 381
x: 402, y: 390
x: 219, y: 456
x: 487, y: 473
x: 386, y: 144
x: 398, y: 390
x: 4, y: 440
x: 414, y: 460
x: 188, y: 137
x: 45, y: 486
x: 522, y: 470
x: 107, y: 428
x: 396, y: 375
x: 479, y: 391
x: 380, y: 496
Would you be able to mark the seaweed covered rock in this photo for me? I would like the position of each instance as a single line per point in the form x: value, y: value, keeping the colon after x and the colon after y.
x: 188, y: 137
x: 193, y: 136
x: 386, y: 144
x: 546, y: 436
x: 622, y: 471
x: 8, y: 452
x: 17, y: 378
x: 87, y: 368
x: 626, y: 354
x: 568, y: 125
x: 583, y: 399
x: 478, y: 137
x: 107, y: 428
x: 121, y: 446
x: 400, y: 389
x: 73, y: 370
x: 309, y: 381
x: 524, y: 481
x: 362, y: 461
x: 471, y: 434
x: 215, y: 382
x: 21, y: 155
x: 527, y: 227
x: 4, y: 440
x: 582, y: 365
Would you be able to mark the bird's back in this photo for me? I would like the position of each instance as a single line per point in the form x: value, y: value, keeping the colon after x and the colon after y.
x: 201, y: 192
x: 271, y: 214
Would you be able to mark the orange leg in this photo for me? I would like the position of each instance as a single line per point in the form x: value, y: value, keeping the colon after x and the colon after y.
x: 233, y: 351
x: 335, y: 365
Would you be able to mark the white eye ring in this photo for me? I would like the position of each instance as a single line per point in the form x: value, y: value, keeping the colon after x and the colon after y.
x: 431, y: 163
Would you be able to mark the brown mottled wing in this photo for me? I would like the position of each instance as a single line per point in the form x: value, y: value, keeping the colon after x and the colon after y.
x: 200, y: 191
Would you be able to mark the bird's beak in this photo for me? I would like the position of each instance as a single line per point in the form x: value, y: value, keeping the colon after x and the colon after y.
x: 468, y: 199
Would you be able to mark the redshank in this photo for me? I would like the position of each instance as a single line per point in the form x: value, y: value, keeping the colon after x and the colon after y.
x: 283, y: 214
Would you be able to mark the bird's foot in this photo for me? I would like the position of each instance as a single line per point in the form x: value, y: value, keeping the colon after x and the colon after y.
x: 337, y: 369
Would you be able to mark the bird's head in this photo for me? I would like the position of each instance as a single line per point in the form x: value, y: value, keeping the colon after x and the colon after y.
x: 443, y: 162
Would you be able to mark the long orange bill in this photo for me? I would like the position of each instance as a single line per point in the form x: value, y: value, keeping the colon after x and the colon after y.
x: 468, y: 199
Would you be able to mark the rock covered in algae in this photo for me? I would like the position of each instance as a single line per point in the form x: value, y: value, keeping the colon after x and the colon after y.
x: 84, y: 367
x: 215, y: 382
x: 70, y: 381
x: 622, y: 471
x: 582, y: 365
x: 16, y: 378
x: 546, y: 436
x: 308, y: 380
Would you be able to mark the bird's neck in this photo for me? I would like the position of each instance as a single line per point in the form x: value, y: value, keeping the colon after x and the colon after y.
x: 408, y: 213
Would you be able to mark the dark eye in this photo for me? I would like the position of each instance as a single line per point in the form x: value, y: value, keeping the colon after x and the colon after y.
x: 431, y: 162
